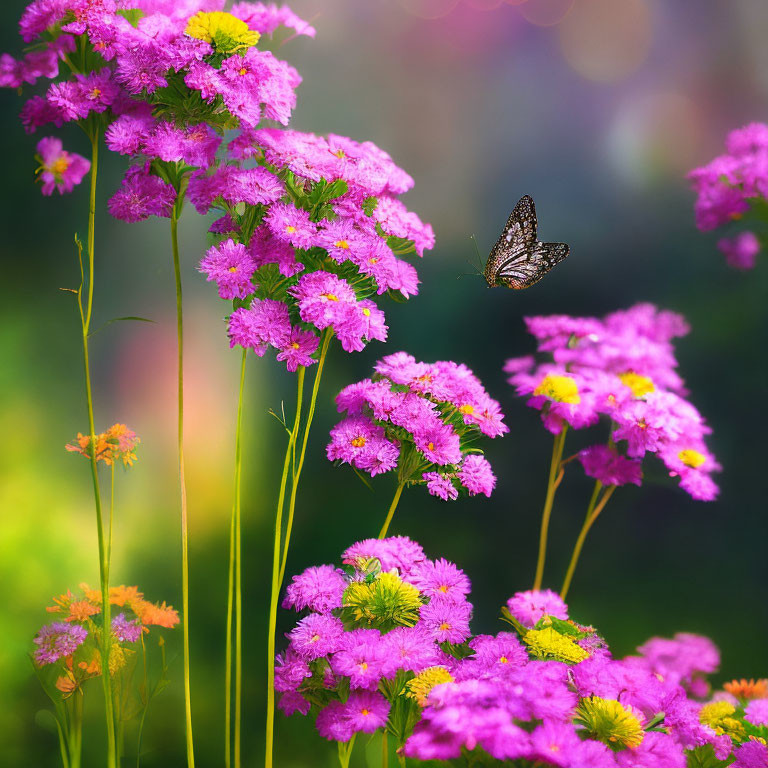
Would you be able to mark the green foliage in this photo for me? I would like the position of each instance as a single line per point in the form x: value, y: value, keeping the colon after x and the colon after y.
x: 704, y: 757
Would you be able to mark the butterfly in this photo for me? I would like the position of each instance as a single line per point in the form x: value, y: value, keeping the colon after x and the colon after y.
x: 518, y: 260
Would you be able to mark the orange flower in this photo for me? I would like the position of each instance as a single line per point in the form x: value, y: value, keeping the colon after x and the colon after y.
x: 81, y: 610
x: 748, y: 689
x: 159, y: 615
x: 118, y: 443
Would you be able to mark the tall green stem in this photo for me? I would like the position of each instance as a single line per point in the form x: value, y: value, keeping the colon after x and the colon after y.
x: 554, y: 471
x: 182, y: 487
x: 345, y: 751
x: 235, y: 583
x: 297, y: 467
x: 593, y: 512
x: 85, y: 318
x: 289, y: 454
x: 391, y: 512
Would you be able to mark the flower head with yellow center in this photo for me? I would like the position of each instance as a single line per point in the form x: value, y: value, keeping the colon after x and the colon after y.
x: 561, y: 389
x: 419, y: 688
x: 384, y: 602
x: 549, y: 644
x: 691, y: 458
x: 639, y: 385
x: 611, y: 722
x: 225, y: 32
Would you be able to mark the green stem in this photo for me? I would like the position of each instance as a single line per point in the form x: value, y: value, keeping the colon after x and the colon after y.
x: 289, y: 453
x: 296, y: 468
x: 85, y: 318
x: 593, y: 512
x: 392, y: 508
x: 554, y: 470
x: 345, y: 751
x: 384, y: 750
x: 238, y: 568
x: 182, y: 488
x: 145, y: 701
x: 76, y: 731
x: 111, y: 512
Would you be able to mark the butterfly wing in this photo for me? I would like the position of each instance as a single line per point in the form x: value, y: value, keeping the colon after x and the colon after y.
x: 523, y: 271
x: 516, y: 240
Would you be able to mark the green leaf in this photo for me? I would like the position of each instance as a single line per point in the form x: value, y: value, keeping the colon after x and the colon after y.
x: 370, y: 204
x: 119, y: 320
x: 704, y: 757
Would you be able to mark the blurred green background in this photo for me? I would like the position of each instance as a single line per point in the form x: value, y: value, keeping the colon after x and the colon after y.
x: 595, y: 107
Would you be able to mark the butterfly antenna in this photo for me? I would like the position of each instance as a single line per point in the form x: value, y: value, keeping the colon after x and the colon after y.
x: 479, y: 265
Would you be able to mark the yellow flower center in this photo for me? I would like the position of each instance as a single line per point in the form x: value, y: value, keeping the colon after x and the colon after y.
x: 95, y: 93
x: 295, y: 345
x: 365, y: 712
x: 374, y: 260
x: 242, y: 71
x: 233, y: 269
x: 431, y: 445
x: 366, y: 311
x: 421, y: 685
x: 314, y: 638
x: 342, y: 244
x: 548, y: 644
x: 330, y: 296
x: 224, y: 31
x: 640, y: 385
x: 364, y: 666
x: 445, y: 626
x: 467, y: 409
x: 610, y: 722
x: 443, y: 588
x: 290, y: 229
x: 503, y: 660
x: 561, y: 389
x: 358, y: 442
x: 59, y: 165
x: 691, y: 458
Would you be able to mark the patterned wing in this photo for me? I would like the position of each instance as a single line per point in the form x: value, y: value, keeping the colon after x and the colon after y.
x: 516, y: 241
x: 524, y: 272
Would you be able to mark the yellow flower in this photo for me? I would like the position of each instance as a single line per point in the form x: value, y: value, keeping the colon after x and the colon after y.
x: 224, y: 31
x: 561, y: 389
x: 385, y: 602
x: 424, y: 682
x: 717, y: 715
x: 640, y: 385
x: 610, y: 722
x: 548, y: 644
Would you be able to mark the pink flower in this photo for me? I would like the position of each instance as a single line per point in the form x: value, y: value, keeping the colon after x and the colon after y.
x: 529, y: 607
x: 740, y: 251
x: 231, y: 267
x: 299, y: 348
x: 609, y: 467
x: 59, y: 169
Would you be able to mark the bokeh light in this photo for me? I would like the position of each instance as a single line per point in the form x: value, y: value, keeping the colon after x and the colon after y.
x: 605, y: 40
x: 546, y: 13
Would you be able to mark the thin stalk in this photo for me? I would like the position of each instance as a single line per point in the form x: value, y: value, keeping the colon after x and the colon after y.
x: 345, y: 751
x: 296, y: 468
x: 384, y: 750
x: 593, y: 512
x: 145, y: 701
x: 392, y: 508
x: 76, y: 731
x: 111, y: 511
x: 85, y: 319
x: 554, y: 471
x: 238, y: 568
x: 289, y: 453
x: 182, y: 488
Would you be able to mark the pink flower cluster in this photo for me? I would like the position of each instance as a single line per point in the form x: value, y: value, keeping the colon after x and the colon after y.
x: 422, y: 418
x: 728, y: 187
x: 343, y: 654
x: 317, y: 225
x: 163, y: 89
x: 548, y: 693
x: 621, y: 367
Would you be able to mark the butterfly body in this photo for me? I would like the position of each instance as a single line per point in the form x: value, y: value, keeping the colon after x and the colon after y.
x: 519, y: 260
